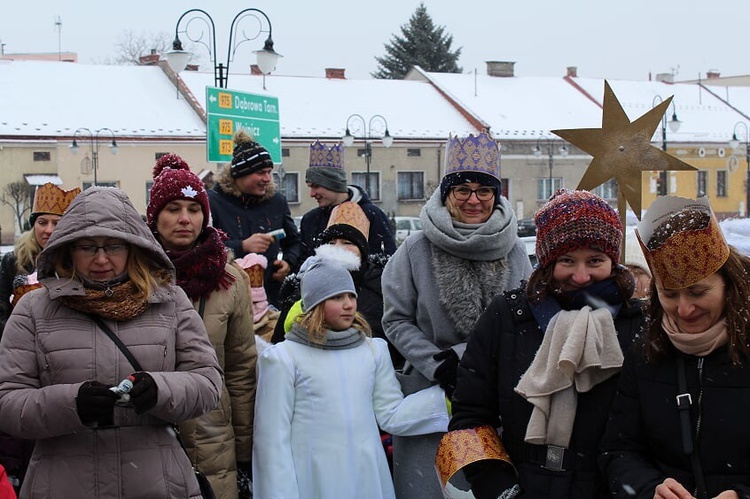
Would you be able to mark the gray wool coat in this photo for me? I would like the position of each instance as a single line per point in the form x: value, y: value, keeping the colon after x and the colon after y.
x: 48, y: 350
x: 435, y: 287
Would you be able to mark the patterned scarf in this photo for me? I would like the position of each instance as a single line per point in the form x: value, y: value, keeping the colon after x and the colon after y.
x: 118, y: 302
x: 200, y: 269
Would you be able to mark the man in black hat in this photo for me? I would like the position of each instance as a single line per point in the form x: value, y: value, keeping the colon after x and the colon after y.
x: 245, y: 205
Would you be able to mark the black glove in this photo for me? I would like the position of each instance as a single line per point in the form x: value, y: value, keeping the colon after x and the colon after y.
x: 446, y: 372
x: 244, y: 480
x: 95, y: 404
x: 144, y: 392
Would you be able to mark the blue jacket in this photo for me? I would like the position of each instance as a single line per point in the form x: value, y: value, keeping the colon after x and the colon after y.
x: 241, y: 216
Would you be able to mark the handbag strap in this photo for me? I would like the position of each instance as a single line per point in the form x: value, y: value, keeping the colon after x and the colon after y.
x: 118, y: 342
x: 684, y: 401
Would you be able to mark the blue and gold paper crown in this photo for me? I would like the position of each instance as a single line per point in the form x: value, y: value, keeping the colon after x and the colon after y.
x: 323, y: 156
x: 478, y: 153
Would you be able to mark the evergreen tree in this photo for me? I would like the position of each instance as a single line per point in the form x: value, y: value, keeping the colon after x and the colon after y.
x: 421, y: 44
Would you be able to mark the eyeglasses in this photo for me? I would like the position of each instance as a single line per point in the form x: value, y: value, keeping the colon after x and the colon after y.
x: 462, y: 193
x: 109, y: 249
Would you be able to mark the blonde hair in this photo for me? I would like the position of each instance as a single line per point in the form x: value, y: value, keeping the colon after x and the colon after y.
x: 27, y: 249
x: 142, y: 271
x: 315, y: 324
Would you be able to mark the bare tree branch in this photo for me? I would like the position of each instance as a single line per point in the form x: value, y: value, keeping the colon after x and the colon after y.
x: 19, y: 196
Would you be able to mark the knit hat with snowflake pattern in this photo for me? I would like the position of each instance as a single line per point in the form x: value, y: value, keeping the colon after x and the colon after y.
x: 174, y: 180
x: 573, y: 220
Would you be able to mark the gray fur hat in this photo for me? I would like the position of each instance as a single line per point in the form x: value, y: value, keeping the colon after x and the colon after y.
x: 323, y: 277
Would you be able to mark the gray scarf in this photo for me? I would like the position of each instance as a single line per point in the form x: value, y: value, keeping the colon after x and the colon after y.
x: 488, y: 241
x: 335, y: 340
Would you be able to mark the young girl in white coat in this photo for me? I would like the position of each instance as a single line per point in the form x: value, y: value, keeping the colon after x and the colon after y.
x: 322, y: 395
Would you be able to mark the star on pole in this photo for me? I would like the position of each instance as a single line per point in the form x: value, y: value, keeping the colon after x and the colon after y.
x: 622, y: 150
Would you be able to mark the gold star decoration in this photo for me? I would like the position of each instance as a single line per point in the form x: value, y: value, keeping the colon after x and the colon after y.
x: 622, y: 150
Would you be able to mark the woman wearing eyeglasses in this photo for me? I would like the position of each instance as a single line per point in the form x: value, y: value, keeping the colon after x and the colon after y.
x: 103, y: 270
x: 440, y: 280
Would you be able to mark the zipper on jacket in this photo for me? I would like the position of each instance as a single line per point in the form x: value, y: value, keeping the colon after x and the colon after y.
x: 700, y: 399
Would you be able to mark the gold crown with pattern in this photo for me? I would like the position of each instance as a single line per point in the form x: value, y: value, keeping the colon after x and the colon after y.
x: 350, y: 213
x: 324, y: 156
x: 478, y: 153
x: 49, y: 198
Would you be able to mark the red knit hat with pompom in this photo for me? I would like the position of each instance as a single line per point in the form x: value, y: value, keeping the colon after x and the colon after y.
x: 174, y: 180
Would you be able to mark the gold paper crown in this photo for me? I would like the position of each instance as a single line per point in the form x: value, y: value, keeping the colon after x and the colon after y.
x: 323, y: 156
x: 350, y: 213
x: 51, y: 199
x: 678, y: 252
x: 474, y: 153
x: 256, y: 275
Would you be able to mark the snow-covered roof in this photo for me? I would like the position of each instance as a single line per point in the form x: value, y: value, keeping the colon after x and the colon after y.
x: 319, y: 107
x: 42, y: 179
x: 50, y: 99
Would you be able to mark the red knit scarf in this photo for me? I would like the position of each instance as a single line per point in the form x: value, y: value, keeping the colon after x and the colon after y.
x: 200, y: 270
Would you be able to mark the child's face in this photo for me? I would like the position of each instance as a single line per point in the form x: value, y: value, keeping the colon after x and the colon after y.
x: 339, y: 311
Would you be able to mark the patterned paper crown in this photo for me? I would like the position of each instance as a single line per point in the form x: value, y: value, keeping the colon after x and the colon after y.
x: 51, y: 199
x: 682, y: 241
x: 323, y: 156
x: 477, y: 153
x: 350, y: 213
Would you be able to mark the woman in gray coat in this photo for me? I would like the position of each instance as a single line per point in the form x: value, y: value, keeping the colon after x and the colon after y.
x: 57, y: 366
x: 439, y: 282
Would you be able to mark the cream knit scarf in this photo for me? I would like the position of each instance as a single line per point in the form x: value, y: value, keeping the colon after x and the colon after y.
x: 700, y: 344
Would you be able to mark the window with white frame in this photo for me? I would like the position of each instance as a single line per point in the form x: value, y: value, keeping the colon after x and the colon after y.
x: 545, y: 188
x: 702, y: 183
x: 608, y: 190
x: 289, y: 189
x: 721, y: 183
x: 360, y: 179
x: 410, y: 186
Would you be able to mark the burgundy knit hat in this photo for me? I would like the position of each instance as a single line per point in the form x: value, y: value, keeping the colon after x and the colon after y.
x: 174, y: 180
x: 573, y: 220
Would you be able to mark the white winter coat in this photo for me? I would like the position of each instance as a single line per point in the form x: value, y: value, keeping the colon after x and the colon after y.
x: 316, y: 421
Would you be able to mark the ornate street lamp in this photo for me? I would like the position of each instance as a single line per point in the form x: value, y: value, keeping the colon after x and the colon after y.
x: 94, y: 139
x: 378, y: 124
x: 267, y: 57
x: 674, y: 126
x: 735, y: 144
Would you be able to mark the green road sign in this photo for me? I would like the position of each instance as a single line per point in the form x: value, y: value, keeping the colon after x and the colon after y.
x: 228, y: 111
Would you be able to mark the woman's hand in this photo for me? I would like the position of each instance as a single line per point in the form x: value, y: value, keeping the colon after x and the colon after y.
x: 728, y: 494
x: 671, y: 489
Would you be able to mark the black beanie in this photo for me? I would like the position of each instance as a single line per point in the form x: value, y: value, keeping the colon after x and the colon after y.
x: 344, y: 231
x: 249, y: 157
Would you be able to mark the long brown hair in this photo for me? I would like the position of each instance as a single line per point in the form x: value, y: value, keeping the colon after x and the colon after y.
x: 736, y: 275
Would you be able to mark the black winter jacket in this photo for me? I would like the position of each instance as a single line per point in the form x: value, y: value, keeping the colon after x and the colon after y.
x: 643, y: 443
x: 501, y: 348
x: 380, y: 239
x: 242, y: 216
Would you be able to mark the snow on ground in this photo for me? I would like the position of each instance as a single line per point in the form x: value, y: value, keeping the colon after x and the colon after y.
x: 737, y: 233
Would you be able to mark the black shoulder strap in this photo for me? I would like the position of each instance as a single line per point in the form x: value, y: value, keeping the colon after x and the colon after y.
x: 684, y: 401
x: 128, y: 355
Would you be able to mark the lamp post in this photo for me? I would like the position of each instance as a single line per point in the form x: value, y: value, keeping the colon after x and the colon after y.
x: 379, y: 124
x: 94, y: 138
x: 177, y: 58
x: 538, y: 150
x: 735, y: 144
x: 674, y: 125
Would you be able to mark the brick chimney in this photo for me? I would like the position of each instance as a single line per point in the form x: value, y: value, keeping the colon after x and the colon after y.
x: 572, y: 72
x: 335, y: 73
x: 255, y: 70
x: 149, y: 60
x: 713, y: 73
x: 502, y: 69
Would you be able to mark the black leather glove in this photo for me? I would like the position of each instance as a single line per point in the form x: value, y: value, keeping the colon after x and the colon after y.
x: 446, y: 372
x: 143, y: 395
x: 244, y: 480
x: 95, y: 404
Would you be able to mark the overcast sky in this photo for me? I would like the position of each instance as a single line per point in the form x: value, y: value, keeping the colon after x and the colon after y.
x: 614, y: 39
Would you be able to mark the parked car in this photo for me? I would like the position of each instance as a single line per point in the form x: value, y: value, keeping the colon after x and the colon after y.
x: 406, y: 226
x: 530, y: 242
x: 526, y: 227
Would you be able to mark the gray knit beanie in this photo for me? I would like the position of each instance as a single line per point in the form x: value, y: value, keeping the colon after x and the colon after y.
x: 333, y: 179
x: 322, y: 279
